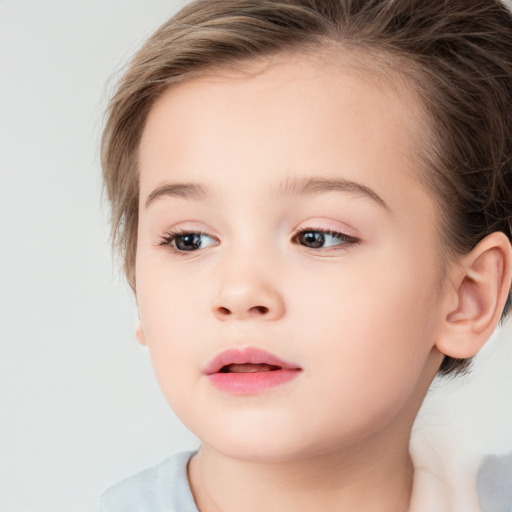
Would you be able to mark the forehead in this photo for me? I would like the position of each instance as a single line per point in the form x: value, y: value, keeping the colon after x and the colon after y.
x: 296, y: 85
x: 289, y: 115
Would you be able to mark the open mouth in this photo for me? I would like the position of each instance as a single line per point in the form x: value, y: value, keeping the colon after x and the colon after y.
x: 249, y: 371
x: 247, y: 360
x: 249, y: 368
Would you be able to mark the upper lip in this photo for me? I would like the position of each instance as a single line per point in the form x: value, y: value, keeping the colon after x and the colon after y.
x: 250, y: 355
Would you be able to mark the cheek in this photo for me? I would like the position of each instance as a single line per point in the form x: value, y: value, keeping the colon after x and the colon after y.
x: 165, y: 297
x: 168, y: 310
x: 378, y: 344
x: 375, y: 324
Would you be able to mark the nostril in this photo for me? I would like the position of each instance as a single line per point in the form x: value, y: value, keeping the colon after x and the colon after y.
x: 260, y: 309
x: 224, y: 312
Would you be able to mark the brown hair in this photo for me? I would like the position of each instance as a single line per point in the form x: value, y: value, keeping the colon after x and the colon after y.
x: 457, y: 54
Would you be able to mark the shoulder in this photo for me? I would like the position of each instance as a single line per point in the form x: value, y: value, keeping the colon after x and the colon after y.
x: 494, y: 483
x: 162, y: 488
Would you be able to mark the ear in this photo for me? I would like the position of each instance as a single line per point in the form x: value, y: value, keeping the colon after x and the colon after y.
x: 476, y: 298
x: 139, y: 334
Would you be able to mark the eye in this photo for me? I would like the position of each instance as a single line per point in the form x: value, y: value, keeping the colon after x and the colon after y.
x: 320, y: 239
x: 186, y: 241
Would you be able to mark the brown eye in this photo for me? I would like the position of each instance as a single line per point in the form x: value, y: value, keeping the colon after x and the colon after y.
x: 188, y: 242
x: 319, y: 239
x: 313, y: 239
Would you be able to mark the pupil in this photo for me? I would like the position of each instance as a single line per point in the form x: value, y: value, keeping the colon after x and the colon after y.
x: 314, y: 238
x: 188, y: 242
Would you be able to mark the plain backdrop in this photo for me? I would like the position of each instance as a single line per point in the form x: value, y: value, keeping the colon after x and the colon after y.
x: 79, y: 406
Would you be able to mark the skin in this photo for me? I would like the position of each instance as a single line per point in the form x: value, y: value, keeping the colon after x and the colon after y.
x: 362, y: 317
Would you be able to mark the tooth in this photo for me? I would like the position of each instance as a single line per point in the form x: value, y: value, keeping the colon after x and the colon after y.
x: 249, y: 368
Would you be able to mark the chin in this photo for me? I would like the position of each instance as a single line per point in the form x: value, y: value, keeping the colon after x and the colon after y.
x: 268, y: 443
x: 256, y: 442
x: 246, y: 450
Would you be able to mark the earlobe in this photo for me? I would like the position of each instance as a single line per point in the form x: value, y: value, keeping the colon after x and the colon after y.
x: 139, y: 334
x: 481, y: 288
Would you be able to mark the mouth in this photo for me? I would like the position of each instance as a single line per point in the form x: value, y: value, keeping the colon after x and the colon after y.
x: 247, y: 360
x: 249, y: 368
x: 249, y: 371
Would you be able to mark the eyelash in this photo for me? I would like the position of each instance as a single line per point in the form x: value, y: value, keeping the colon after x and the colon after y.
x: 169, y: 238
x: 347, y: 240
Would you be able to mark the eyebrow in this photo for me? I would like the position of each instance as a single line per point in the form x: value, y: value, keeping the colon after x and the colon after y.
x: 289, y: 187
x: 192, y: 191
x: 317, y: 186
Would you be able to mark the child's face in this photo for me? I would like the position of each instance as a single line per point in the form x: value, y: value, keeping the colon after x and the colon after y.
x: 304, y: 147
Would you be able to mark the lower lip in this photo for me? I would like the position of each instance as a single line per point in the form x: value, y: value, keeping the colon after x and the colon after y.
x: 251, y: 383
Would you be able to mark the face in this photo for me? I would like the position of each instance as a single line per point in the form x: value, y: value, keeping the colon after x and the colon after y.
x: 282, y: 225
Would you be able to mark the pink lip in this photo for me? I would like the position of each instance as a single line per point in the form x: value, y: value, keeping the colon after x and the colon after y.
x: 250, y: 382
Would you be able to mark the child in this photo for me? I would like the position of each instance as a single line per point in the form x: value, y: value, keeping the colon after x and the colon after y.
x: 314, y: 202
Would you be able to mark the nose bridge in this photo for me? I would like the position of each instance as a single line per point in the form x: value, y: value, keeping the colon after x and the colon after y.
x: 247, y: 285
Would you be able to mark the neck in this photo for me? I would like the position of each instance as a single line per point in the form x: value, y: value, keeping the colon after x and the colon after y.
x: 376, y: 477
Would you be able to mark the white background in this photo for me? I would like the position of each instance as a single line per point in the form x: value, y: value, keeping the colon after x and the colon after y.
x: 79, y: 407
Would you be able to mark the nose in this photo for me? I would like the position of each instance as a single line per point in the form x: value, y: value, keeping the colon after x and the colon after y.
x: 243, y: 297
